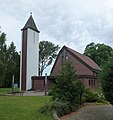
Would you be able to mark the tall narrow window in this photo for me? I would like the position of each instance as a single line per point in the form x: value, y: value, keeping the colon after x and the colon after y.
x: 34, y: 37
x: 91, y: 82
x: 94, y: 82
x: 66, y: 55
x: 62, y: 58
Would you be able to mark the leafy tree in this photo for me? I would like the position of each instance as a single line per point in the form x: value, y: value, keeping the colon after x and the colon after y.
x: 2, y: 73
x: 12, y: 65
x: 106, y: 77
x: 68, y: 88
x: 2, y: 57
x: 100, y: 53
x: 9, y: 62
x: 47, y: 53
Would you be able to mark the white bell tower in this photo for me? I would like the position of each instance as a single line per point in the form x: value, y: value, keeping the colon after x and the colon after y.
x: 29, y: 54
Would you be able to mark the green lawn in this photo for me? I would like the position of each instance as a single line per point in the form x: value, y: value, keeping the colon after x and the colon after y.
x: 5, y: 90
x: 23, y: 108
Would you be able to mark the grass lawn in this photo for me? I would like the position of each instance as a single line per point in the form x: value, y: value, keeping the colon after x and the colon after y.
x: 5, y: 90
x: 23, y: 108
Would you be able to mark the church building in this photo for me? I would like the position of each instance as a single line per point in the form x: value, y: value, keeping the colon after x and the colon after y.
x: 87, y: 70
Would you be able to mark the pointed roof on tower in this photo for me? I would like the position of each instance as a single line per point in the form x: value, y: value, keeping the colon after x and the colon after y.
x: 31, y: 24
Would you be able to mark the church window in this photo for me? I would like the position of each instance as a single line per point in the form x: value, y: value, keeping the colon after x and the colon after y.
x: 66, y: 55
x: 62, y: 58
x: 91, y: 82
x: 34, y: 37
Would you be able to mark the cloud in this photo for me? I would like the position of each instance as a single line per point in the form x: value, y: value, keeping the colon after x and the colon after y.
x: 70, y: 22
x: 74, y: 23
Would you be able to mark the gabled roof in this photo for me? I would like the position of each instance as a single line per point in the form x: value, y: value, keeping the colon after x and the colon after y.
x: 82, y: 58
x: 31, y: 24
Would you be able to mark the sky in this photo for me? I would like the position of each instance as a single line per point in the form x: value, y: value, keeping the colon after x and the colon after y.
x: 74, y: 23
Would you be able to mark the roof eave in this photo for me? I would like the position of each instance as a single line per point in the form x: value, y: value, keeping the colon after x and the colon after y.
x: 30, y: 28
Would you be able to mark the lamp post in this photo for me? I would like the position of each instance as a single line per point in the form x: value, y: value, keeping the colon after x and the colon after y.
x: 13, y: 84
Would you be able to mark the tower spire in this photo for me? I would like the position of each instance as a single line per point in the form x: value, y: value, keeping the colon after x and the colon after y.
x: 31, y: 24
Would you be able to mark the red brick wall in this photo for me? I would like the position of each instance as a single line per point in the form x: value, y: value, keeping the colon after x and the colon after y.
x: 39, y: 84
x: 57, y: 67
x: 81, y: 69
x: 85, y: 80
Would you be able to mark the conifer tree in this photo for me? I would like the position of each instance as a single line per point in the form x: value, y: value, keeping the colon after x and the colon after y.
x: 9, y: 62
x: 67, y: 87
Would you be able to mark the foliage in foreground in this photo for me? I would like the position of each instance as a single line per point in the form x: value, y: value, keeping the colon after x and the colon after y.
x: 67, y: 91
x: 67, y: 87
x: 60, y: 108
x: 94, y: 96
x: 106, y: 77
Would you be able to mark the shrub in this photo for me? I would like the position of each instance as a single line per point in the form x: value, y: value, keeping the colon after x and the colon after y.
x: 94, y: 96
x: 89, y: 95
x: 66, y: 92
x: 106, y: 77
x: 67, y: 87
x: 60, y: 108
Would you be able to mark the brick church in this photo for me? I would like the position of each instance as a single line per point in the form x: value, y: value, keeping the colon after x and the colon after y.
x: 87, y: 70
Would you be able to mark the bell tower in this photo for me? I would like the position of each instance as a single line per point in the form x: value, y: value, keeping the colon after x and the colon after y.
x: 29, y: 54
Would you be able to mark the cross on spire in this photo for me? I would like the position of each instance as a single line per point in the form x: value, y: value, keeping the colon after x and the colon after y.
x: 31, y: 24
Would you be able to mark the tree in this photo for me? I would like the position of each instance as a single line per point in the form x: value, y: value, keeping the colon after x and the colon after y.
x: 67, y: 87
x: 1, y: 74
x: 9, y: 62
x: 66, y: 92
x: 106, y: 77
x: 100, y: 53
x: 3, y: 49
x: 47, y: 53
x: 13, y: 65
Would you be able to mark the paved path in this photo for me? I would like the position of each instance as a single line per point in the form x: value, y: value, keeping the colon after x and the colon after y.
x: 28, y: 93
x: 33, y: 93
x: 104, y: 112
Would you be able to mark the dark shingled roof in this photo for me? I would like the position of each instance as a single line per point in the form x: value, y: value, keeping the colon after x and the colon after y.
x: 31, y: 24
x: 85, y: 59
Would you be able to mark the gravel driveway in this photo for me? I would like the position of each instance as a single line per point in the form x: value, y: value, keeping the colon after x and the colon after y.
x: 104, y: 112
